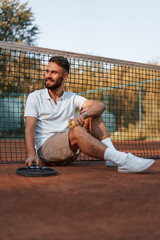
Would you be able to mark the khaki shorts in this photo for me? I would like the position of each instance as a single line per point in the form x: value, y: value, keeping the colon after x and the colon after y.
x: 56, y: 150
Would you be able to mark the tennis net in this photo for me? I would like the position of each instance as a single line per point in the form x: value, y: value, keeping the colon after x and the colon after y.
x: 130, y: 91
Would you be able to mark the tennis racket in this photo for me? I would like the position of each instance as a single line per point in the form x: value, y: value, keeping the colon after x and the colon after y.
x: 36, y: 171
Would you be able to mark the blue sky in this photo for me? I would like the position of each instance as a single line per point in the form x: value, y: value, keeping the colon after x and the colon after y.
x: 120, y: 29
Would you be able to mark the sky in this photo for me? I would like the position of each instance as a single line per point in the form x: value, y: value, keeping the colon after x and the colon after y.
x: 119, y: 29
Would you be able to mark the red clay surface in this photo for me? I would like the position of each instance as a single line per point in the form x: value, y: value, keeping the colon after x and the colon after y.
x: 85, y: 201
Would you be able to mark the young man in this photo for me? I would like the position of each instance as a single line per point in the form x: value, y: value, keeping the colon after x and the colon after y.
x: 48, y: 115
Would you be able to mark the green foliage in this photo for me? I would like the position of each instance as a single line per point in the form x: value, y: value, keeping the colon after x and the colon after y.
x: 21, y: 73
x: 17, y: 22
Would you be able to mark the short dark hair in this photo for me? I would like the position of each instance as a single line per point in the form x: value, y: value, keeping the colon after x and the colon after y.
x: 61, y: 61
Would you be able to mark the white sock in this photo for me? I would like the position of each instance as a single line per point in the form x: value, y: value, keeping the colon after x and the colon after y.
x: 108, y: 142
x: 115, y: 156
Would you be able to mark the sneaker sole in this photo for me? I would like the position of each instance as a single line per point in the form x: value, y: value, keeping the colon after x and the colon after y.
x: 139, y: 170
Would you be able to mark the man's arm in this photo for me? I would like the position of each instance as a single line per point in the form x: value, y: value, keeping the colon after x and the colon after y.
x: 93, y: 108
x: 30, y: 141
x: 89, y: 109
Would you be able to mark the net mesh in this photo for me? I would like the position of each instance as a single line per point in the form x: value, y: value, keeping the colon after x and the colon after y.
x: 129, y: 90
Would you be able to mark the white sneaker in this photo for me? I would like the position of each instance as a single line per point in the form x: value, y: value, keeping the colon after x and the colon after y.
x: 135, y: 164
x: 110, y: 164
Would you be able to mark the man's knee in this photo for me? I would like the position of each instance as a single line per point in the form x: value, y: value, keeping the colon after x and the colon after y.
x: 76, y: 134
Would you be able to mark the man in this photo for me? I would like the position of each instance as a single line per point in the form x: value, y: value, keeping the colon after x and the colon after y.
x: 49, y: 113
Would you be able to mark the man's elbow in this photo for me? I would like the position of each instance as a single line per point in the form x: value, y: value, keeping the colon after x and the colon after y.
x: 103, y: 107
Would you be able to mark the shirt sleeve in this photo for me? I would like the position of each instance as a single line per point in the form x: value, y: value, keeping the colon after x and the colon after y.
x: 31, y: 108
x: 79, y: 100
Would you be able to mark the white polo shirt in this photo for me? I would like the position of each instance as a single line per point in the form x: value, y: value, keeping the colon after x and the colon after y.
x: 51, y: 117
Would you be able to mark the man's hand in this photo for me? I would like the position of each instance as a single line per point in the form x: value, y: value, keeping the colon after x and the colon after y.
x: 79, y: 120
x: 32, y: 159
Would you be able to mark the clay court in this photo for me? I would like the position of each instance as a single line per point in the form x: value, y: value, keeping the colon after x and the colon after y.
x: 83, y: 201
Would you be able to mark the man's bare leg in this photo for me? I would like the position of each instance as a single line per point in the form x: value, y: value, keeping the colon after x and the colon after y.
x: 80, y: 138
x: 97, y: 128
x: 89, y: 145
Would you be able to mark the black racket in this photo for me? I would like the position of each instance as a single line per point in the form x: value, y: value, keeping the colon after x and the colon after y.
x: 36, y: 171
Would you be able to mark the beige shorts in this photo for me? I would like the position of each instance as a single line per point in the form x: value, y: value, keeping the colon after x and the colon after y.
x: 56, y: 150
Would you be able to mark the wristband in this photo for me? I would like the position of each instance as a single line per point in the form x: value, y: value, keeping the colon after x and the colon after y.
x: 85, y: 115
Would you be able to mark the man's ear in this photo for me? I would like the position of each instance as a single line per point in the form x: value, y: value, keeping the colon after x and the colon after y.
x: 65, y: 75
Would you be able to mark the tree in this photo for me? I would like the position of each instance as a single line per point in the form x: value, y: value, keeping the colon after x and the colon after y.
x: 20, y: 74
x: 17, y: 22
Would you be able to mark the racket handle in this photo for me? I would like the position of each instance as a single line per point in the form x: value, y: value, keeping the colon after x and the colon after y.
x: 73, y: 124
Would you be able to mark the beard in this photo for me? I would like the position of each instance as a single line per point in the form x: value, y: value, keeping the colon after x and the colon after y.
x: 56, y: 85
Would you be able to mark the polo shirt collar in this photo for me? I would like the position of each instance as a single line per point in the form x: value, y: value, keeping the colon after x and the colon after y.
x: 47, y: 96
